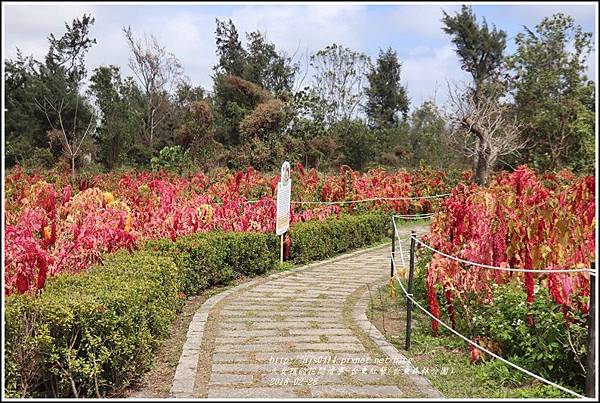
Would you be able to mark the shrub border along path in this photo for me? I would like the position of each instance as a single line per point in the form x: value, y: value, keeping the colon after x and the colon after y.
x: 189, y: 373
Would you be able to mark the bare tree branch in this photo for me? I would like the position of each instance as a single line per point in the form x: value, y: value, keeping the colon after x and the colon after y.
x: 482, y: 127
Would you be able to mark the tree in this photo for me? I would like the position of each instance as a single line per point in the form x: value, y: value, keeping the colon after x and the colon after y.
x: 69, y: 115
x: 267, y: 67
x: 232, y: 56
x: 72, y: 138
x: 157, y: 71
x: 479, y: 48
x: 67, y: 52
x: 339, y: 78
x: 553, y: 97
x: 36, y: 91
x: 246, y: 78
x: 482, y: 129
x: 357, y: 143
x: 428, y: 137
x: 386, y: 97
x: 197, y: 134
x: 234, y: 99
x: 120, y: 103
x: 25, y: 125
x: 307, y: 126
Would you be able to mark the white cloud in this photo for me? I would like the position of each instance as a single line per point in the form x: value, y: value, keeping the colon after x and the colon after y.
x: 426, y: 53
x: 421, y: 21
x: 28, y: 26
x: 427, y: 73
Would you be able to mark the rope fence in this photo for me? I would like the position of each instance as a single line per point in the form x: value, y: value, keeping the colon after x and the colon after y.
x: 373, y: 199
x: 412, y: 301
x: 410, y: 297
x: 329, y: 203
x: 426, y: 311
x: 485, y: 266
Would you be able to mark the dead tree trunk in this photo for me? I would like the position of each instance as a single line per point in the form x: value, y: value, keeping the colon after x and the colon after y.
x: 481, y: 129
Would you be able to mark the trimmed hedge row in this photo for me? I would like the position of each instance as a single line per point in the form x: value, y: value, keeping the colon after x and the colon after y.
x: 91, y: 333
x: 214, y: 258
x: 86, y: 333
x: 316, y: 240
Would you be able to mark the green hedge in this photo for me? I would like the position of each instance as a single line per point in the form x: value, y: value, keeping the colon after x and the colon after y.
x: 214, y: 258
x: 94, y: 332
x: 86, y: 333
x: 318, y: 240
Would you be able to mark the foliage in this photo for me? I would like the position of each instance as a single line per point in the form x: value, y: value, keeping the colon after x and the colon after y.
x: 157, y: 72
x: 89, y: 333
x: 262, y: 113
x: 67, y: 52
x: 339, y: 79
x: 56, y: 233
x: 519, y: 222
x: 428, y: 135
x: 490, y: 378
x: 479, y: 48
x: 44, y: 99
x: 266, y: 66
x: 319, y: 240
x: 61, y: 224
x: 553, y: 96
x: 170, y: 158
x: 120, y: 102
x: 386, y: 97
x: 103, y: 339
x: 554, y: 350
x: 234, y: 99
x: 229, y: 49
x: 265, y: 120
x: 357, y: 143
x: 215, y: 258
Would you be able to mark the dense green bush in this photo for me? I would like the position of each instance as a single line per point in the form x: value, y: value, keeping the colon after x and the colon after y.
x: 88, y: 333
x: 317, y: 240
x: 213, y: 258
x: 548, y: 347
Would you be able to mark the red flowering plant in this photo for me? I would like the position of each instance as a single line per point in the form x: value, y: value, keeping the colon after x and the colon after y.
x: 516, y: 222
x: 63, y: 224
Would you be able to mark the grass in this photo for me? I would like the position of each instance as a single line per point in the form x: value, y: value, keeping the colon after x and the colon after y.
x: 447, y: 359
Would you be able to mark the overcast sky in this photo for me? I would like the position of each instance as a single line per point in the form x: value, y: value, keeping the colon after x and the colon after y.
x: 414, y: 31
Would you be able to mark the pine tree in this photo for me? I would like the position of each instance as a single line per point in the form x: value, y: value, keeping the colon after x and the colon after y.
x: 386, y: 97
x: 479, y: 48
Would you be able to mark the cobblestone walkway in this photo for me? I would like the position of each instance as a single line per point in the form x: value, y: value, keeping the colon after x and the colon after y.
x: 293, y: 335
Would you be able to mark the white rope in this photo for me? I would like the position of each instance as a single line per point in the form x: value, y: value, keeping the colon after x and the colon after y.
x: 243, y: 202
x: 372, y: 199
x: 354, y: 201
x: 413, y: 216
x: 410, y: 297
x: 485, y: 266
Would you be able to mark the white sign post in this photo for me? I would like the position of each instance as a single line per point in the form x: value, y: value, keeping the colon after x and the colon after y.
x: 284, y: 190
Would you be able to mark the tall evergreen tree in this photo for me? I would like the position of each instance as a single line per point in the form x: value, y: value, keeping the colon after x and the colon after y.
x: 266, y: 66
x: 232, y: 56
x: 386, y: 97
x: 46, y: 113
x: 480, y: 49
x: 119, y: 101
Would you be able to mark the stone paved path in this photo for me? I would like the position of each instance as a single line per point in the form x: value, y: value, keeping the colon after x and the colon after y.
x: 294, y: 335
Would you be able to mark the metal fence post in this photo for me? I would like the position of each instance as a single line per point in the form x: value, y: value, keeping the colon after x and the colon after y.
x: 409, y: 304
x: 393, y: 248
x: 590, y: 360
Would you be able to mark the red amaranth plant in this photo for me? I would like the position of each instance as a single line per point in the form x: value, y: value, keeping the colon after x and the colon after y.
x: 65, y: 225
x: 515, y: 222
